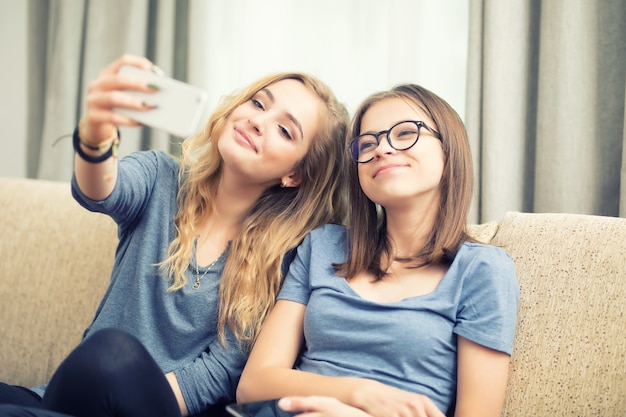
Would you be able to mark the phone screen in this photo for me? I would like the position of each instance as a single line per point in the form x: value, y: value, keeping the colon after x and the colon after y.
x: 267, y: 408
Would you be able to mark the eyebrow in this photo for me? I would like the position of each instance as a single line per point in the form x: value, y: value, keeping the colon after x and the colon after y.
x: 290, y: 116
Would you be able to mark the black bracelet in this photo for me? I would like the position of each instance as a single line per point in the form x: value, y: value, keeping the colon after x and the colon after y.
x: 76, y: 142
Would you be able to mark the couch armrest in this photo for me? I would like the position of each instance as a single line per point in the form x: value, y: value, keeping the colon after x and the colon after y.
x: 56, y: 264
x: 569, y: 354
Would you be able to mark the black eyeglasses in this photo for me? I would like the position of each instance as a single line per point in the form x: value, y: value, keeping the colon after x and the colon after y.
x: 400, y: 137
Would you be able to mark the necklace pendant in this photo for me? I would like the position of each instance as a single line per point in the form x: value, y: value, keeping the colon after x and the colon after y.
x: 196, y: 285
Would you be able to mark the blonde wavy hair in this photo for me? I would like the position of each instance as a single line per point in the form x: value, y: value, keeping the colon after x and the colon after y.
x: 277, y: 222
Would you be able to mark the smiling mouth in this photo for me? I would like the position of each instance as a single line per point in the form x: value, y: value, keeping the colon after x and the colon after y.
x: 243, y: 138
x: 386, y: 168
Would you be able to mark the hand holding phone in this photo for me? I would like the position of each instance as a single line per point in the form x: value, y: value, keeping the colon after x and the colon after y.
x: 180, y: 108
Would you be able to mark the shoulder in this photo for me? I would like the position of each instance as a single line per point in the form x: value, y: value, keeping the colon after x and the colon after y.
x: 480, y: 252
x: 327, y: 234
x: 488, y: 296
x: 485, y: 264
x: 323, y: 241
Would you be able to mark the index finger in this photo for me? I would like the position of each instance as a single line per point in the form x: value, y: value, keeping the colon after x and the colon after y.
x: 128, y: 59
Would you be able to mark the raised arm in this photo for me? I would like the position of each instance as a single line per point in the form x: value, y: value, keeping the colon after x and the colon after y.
x: 97, y: 131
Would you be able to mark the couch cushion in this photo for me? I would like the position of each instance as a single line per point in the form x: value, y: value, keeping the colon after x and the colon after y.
x: 483, y: 232
x: 569, y: 355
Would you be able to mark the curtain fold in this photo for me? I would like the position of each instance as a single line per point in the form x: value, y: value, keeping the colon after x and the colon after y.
x: 61, y: 68
x: 622, y: 204
x: 545, y: 109
x: 81, y: 37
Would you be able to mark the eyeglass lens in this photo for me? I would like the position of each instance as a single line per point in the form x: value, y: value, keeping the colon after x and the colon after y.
x: 401, y: 136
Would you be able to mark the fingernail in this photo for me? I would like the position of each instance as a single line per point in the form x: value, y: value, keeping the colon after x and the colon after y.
x: 153, y: 87
x: 156, y: 70
x: 149, y: 105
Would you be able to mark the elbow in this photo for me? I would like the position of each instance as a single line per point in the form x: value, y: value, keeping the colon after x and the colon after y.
x: 261, y: 382
x: 244, y: 393
x: 246, y: 388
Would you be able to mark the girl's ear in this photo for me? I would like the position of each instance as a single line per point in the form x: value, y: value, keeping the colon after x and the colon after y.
x: 290, y: 180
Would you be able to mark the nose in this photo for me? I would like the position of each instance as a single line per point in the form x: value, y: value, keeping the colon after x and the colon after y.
x: 257, y: 123
x: 383, y: 148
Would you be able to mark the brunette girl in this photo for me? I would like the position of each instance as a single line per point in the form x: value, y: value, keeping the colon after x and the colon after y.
x: 402, y: 314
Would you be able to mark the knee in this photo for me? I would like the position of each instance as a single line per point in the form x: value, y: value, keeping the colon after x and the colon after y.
x: 108, y: 351
x: 111, y: 339
x: 115, y: 343
x: 104, y: 362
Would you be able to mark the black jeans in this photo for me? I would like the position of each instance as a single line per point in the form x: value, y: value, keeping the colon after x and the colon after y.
x: 110, y: 374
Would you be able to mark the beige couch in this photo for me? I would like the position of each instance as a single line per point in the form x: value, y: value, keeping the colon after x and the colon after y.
x: 570, y: 349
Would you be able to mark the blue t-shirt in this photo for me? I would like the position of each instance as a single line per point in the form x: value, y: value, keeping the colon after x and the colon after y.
x: 410, y: 344
x: 178, y: 328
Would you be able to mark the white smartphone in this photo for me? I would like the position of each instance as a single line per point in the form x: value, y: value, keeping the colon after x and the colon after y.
x: 180, y: 110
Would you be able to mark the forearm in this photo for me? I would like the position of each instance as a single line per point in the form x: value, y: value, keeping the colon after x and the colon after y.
x: 97, y: 131
x: 96, y: 181
x: 96, y: 178
x: 171, y: 378
x: 276, y: 383
x: 373, y: 397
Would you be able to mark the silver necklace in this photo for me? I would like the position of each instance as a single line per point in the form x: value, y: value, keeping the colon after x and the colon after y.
x: 196, y: 284
x: 199, y: 277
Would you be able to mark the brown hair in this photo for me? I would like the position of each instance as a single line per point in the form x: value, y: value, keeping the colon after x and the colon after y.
x: 277, y: 222
x: 368, y: 231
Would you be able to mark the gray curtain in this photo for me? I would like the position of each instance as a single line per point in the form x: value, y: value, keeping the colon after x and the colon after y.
x: 545, y: 100
x: 230, y: 42
x: 545, y: 106
x: 69, y: 42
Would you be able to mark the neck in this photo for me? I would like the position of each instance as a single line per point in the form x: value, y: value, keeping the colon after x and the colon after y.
x: 232, y: 202
x: 409, y: 229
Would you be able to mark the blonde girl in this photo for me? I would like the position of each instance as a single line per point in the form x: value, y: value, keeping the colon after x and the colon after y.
x: 204, y: 241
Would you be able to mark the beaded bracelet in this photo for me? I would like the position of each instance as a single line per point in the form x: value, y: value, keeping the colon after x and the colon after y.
x: 112, y: 151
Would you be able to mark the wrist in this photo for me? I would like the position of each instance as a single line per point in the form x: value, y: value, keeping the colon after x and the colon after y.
x: 100, y: 148
x: 178, y: 392
x: 94, y: 152
x: 89, y: 143
x: 360, y: 391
